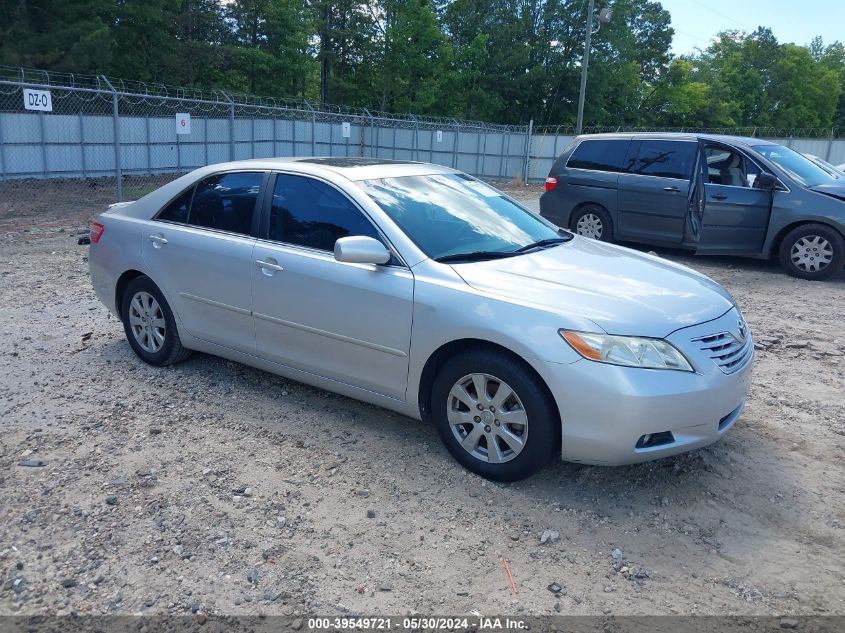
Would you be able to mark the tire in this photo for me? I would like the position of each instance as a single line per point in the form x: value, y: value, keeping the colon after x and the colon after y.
x: 149, y: 324
x: 594, y: 222
x: 524, y: 444
x: 812, y: 251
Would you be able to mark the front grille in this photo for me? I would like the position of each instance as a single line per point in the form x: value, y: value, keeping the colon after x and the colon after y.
x: 726, y: 351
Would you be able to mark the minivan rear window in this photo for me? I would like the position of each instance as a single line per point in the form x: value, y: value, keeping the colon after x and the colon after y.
x: 599, y: 155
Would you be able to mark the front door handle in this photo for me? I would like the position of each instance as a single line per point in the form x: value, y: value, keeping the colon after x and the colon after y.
x: 158, y: 240
x: 718, y: 196
x: 267, y: 265
x: 672, y: 189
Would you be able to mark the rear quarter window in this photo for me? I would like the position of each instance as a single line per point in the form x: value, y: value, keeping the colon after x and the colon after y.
x: 604, y: 155
x: 177, y: 210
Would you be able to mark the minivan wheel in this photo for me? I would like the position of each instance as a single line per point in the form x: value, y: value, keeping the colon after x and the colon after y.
x: 592, y: 221
x: 149, y: 324
x: 493, y: 415
x: 812, y: 251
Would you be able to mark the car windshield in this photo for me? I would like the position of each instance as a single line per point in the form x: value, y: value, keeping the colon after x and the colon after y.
x: 799, y: 167
x: 452, y: 214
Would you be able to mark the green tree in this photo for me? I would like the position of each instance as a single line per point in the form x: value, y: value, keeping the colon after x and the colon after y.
x: 58, y: 35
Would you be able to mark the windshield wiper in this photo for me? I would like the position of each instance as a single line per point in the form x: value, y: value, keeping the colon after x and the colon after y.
x: 542, y: 243
x: 475, y: 256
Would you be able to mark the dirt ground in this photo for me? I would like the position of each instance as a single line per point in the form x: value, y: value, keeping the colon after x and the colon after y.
x: 210, y: 487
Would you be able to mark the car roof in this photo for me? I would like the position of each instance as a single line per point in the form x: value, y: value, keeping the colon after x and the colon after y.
x: 350, y: 167
x: 748, y: 141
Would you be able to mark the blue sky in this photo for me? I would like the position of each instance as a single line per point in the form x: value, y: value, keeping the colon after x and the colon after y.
x: 697, y: 21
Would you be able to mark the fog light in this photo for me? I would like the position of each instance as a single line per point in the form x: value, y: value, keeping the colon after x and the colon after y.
x: 650, y: 440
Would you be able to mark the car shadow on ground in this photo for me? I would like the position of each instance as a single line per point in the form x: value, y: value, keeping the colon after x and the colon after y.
x: 723, y: 262
x: 411, y: 450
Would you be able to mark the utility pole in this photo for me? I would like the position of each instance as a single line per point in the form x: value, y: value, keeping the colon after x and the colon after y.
x: 603, y: 18
x: 585, y: 61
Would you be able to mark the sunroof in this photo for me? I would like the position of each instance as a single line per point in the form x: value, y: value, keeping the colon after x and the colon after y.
x: 344, y: 161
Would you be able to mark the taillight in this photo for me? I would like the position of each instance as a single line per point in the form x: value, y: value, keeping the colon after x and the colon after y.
x: 551, y: 183
x: 97, y: 231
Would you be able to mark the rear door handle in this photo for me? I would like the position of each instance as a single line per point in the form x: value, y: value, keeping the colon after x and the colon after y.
x: 158, y: 240
x: 268, y: 265
x: 718, y: 196
x: 673, y: 189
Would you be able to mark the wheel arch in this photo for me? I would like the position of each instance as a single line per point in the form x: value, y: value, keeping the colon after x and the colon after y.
x: 774, y: 246
x: 448, y: 350
x: 120, y: 287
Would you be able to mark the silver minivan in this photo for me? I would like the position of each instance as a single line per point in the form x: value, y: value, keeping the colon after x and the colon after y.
x: 710, y: 194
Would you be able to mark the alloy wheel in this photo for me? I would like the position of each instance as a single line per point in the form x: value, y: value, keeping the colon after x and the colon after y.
x: 146, y: 321
x: 487, y: 418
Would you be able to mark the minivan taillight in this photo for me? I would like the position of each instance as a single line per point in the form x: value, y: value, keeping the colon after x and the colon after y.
x: 97, y: 231
x: 551, y: 183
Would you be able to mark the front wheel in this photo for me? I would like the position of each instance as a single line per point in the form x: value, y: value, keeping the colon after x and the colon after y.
x: 594, y: 222
x: 494, y: 416
x: 812, y: 251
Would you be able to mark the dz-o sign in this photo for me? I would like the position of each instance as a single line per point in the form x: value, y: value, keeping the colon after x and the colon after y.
x: 37, y: 100
x: 183, y: 123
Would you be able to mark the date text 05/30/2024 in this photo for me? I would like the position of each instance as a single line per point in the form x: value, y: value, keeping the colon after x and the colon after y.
x: 417, y: 623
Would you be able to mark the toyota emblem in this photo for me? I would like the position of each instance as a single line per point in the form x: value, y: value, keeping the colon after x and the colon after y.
x: 742, y: 329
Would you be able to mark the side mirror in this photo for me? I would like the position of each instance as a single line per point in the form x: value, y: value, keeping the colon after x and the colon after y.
x: 359, y: 249
x: 766, y: 181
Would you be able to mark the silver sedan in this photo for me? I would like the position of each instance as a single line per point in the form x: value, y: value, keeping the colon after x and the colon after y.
x: 423, y: 290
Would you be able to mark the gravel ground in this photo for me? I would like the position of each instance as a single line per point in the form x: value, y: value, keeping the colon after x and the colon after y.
x: 214, y: 488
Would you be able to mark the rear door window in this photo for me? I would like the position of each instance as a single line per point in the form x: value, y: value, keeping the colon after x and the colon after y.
x: 666, y: 159
x: 599, y: 155
x: 227, y: 202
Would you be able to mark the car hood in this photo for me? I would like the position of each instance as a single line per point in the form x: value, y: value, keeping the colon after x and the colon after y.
x: 835, y: 189
x: 620, y: 290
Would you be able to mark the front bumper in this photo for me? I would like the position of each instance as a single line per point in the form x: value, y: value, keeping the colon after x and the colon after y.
x: 606, y: 410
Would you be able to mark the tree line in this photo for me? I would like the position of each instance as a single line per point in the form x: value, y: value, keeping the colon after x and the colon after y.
x: 503, y: 61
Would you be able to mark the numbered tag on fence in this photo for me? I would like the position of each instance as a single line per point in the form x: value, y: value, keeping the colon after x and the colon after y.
x: 183, y: 123
x: 346, y: 129
x: 439, y: 136
x: 37, y: 100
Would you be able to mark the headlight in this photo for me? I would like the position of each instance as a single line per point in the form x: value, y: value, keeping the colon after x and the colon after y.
x: 628, y: 351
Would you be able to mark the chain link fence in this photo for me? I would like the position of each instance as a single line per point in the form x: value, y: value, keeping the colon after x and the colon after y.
x: 93, y: 140
x: 85, y: 141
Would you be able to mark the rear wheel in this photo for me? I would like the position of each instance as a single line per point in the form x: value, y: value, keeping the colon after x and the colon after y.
x: 812, y: 251
x: 494, y: 416
x: 149, y: 324
x: 594, y: 222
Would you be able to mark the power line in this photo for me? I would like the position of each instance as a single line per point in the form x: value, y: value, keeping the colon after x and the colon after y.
x: 719, y: 13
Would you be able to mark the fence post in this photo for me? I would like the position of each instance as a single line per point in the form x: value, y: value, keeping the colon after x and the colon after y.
x: 372, y: 131
x: 416, y: 141
x: 118, y: 170
x: 313, y: 129
x: 43, y: 134
x: 82, y: 145
x: 2, y: 153
x: 528, y: 150
x: 830, y: 144
x: 231, y: 125
x: 506, y: 151
x: 455, y: 142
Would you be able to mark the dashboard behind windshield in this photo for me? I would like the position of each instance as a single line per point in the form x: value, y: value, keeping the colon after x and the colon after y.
x: 448, y: 214
x: 797, y: 166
